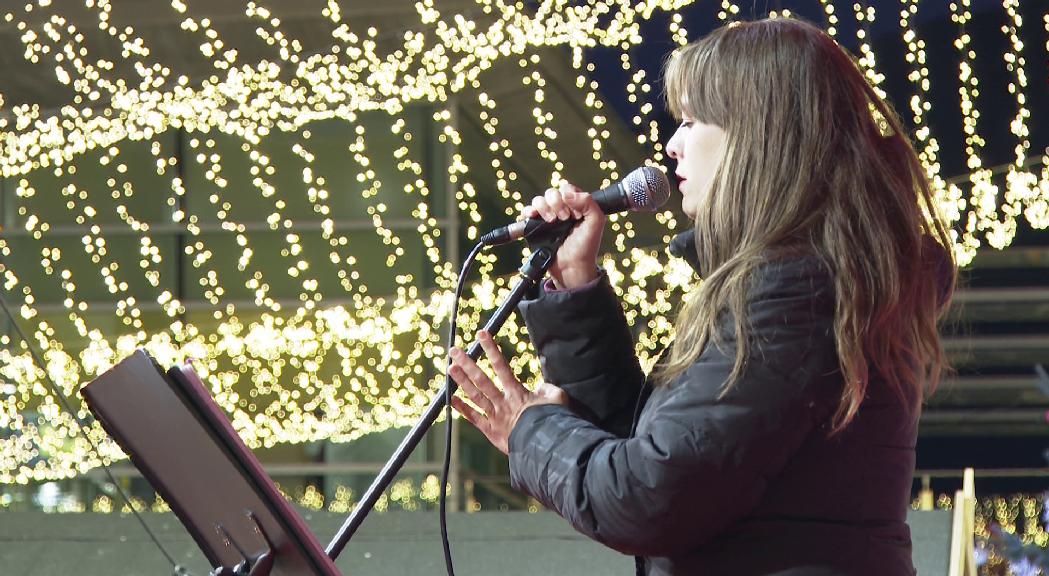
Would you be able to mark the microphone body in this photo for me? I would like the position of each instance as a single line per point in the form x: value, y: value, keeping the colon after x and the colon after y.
x: 643, y: 190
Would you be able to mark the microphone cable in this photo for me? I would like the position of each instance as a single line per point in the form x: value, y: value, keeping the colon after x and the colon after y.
x: 445, y: 468
x: 178, y: 570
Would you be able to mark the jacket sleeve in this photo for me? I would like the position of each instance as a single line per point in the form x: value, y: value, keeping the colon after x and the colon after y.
x: 697, y: 463
x: 586, y: 349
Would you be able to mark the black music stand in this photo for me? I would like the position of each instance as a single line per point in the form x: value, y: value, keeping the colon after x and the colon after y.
x: 181, y: 441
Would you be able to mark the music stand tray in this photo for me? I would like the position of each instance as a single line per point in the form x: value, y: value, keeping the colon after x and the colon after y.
x: 182, y: 442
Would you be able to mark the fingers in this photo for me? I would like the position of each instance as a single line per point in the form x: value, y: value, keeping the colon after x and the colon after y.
x: 574, y: 198
x: 473, y: 416
x: 470, y: 389
x: 567, y: 187
x: 478, y: 380
x: 557, y: 204
x: 543, y: 207
x: 566, y: 201
x: 499, y: 364
x: 578, y: 202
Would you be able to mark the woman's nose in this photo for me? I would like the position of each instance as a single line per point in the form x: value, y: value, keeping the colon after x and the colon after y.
x: 674, y: 145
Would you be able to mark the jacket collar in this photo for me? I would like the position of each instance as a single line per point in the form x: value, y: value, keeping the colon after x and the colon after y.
x: 938, y: 262
x: 683, y: 246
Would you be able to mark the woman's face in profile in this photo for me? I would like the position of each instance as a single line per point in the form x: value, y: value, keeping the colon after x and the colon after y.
x: 697, y: 148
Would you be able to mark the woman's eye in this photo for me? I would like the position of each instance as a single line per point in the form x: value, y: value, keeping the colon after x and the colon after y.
x: 686, y: 123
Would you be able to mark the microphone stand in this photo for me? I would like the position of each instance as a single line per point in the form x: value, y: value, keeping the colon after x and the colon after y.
x: 531, y: 272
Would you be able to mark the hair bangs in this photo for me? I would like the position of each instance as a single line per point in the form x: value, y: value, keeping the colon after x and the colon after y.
x: 692, y: 84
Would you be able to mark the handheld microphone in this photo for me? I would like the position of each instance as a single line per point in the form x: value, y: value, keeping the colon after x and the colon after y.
x: 643, y: 190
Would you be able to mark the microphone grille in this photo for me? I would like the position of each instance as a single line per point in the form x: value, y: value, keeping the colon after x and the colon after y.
x: 647, y: 188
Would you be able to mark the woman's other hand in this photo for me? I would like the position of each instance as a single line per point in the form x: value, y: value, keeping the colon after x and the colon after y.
x: 499, y: 409
x: 576, y: 262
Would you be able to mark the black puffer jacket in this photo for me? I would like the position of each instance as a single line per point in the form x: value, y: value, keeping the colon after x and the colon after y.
x: 746, y: 485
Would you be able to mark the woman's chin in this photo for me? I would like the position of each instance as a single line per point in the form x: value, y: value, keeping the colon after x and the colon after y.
x: 688, y: 203
x: 689, y: 209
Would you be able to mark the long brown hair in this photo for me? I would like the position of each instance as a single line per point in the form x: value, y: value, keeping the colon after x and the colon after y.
x: 813, y: 158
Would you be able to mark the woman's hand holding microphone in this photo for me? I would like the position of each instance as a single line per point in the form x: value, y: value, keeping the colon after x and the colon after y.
x: 576, y: 262
x: 498, y: 409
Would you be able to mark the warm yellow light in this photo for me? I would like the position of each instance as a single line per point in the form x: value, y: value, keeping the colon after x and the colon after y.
x: 322, y: 366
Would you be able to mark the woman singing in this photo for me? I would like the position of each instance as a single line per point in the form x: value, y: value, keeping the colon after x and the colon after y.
x: 776, y: 435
